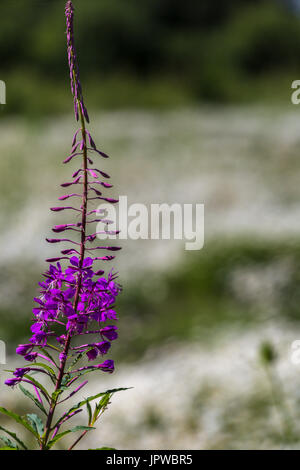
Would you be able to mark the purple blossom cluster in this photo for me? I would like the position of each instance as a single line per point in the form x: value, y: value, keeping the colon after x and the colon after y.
x: 55, y: 312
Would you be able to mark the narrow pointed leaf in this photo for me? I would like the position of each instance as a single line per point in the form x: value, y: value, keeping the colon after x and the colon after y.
x: 32, y: 397
x: 57, y: 438
x: 94, y: 397
x: 104, y: 448
x: 38, y: 384
x: 14, y: 436
x: 9, y: 443
x: 36, y: 423
x: 47, y: 368
x: 63, y: 434
x: 19, y: 419
x: 89, y: 410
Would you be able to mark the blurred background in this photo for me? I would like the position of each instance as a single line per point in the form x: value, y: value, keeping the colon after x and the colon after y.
x: 192, y: 101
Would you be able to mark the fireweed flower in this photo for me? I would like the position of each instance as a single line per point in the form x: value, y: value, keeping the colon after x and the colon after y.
x: 76, y: 300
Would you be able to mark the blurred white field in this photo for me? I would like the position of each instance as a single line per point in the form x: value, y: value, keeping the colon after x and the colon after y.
x: 194, y: 397
x: 241, y: 163
x: 202, y: 398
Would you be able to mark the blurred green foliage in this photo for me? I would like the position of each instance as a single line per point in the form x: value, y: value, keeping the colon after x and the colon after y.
x: 227, y: 285
x: 151, y: 53
x: 232, y: 284
x: 267, y: 353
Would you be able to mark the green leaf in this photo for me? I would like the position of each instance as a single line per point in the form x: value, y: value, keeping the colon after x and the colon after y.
x: 87, y: 400
x: 48, y: 354
x: 103, y: 402
x: 8, y: 442
x: 82, y: 428
x: 47, y: 368
x: 37, y: 384
x: 19, y: 419
x: 56, y: 394
x: 89, y: 410
x: 77, y: 359
x: 104, y: 448
x: 82, y: 403
x: 63, y: 434
x: 101, y: 406
x: 65, y: 380
x: 57, y: 438
x: 8, y: 448
x: 33, y: 398
x: 14, y: 436
x: 36, y: 423
x: 79, y: 374
x: 94, y: 397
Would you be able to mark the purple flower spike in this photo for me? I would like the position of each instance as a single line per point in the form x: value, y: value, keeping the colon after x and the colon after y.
x: 76, y: 298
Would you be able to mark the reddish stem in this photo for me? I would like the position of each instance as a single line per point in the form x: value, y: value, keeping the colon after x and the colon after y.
x: 79, y: 282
